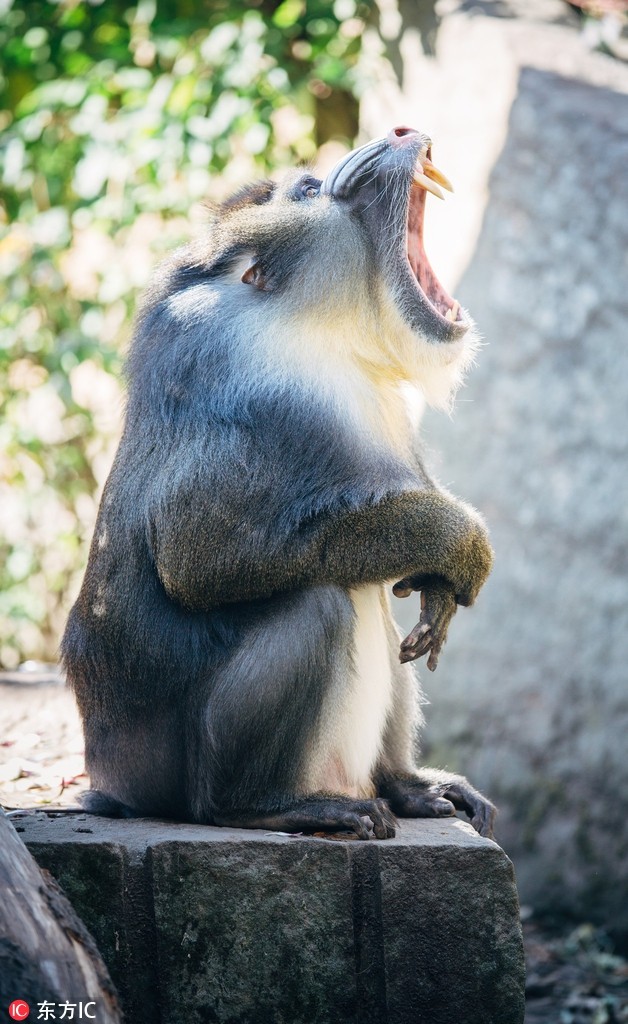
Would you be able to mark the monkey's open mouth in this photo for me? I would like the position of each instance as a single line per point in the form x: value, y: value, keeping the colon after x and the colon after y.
x: 427, y: 178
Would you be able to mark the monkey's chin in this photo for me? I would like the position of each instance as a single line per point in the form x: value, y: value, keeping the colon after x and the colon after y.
x: 441, y: 369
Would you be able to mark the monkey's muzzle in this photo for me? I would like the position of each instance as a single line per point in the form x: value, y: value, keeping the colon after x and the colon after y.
x: 386, y: 182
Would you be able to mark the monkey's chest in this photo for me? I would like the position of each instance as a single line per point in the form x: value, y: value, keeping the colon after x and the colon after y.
x: 364, y: 700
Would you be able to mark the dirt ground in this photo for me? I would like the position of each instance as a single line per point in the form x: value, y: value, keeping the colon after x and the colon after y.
x: 41, y: 743
x: 573, y: 975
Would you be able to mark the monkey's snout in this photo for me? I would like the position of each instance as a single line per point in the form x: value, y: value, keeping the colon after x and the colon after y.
x: 402, y: 136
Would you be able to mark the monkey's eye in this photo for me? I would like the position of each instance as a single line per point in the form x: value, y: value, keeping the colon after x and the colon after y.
x: 310, y: 190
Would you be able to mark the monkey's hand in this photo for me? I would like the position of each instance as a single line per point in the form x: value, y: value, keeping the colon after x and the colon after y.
x: 438, y: 605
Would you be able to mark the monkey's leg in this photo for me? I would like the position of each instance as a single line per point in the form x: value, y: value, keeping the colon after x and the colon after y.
x: 262, y: 728
x: 135, y: 761
x: 415, y: 792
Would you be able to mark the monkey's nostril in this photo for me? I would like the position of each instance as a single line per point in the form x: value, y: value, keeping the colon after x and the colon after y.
x: 402, y: 135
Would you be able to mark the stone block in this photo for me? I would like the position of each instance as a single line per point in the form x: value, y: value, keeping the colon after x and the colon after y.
x: 201, y: 924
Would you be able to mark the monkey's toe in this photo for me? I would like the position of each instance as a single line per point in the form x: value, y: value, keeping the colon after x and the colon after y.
x: 381, y: 817
x: 369, y: 818
x: 384, y: 821
x: 480, y: 811
x: 424, y: 805
x: 484, y: 820
x: 442, y: 808
x: 355, y: 823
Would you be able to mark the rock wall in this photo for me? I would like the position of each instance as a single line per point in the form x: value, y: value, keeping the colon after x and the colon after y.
x: 530, y: 697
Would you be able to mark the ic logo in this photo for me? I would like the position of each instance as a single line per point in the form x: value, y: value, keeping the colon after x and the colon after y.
x: 19, y: 1010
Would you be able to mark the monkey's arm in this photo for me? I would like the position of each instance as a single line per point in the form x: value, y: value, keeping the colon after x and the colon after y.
x: 208, y: 554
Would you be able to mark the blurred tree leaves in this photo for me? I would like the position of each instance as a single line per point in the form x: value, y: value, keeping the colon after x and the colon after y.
x: 116, y: 121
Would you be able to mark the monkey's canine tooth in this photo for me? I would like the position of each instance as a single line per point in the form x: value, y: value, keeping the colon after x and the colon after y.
x: 433, y: 172
x: 424, y: 182
x: 452, y: 314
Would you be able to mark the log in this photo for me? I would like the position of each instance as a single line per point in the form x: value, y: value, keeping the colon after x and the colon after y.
x: 47, y: 956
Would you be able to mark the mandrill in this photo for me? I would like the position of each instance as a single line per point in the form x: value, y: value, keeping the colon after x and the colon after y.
x: 232, y: 649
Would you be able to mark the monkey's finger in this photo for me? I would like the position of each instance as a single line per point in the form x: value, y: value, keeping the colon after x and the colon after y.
x: 432, y: 661
x: 403, y: 588
x: 438, y: 639
x: 439, y: 635
x: 407, y: 656
x: 414, y: 652
x: 417, y: 643
x: 416, y: 636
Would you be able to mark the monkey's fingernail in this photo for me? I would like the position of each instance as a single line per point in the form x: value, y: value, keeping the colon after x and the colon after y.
x: 452, y: 314
x: 424, y: 182
x: 436, y: 175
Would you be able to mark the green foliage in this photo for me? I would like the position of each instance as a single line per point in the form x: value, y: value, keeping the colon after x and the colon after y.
x: 116, y: 122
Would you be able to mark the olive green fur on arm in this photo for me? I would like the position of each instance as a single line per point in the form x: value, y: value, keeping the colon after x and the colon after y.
x: 422, y: 535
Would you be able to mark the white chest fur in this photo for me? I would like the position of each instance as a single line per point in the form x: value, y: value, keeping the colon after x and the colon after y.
x: 358, y: 720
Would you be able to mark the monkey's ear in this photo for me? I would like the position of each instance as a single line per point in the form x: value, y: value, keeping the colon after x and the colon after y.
x: 256, y: 275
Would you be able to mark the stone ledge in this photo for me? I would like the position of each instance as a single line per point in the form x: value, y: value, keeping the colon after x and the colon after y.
x: 201, y: 924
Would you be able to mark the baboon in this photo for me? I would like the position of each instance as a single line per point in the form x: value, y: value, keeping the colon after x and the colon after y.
x: 232, y: 649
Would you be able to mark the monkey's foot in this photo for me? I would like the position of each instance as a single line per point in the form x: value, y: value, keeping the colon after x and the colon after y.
x: 322, y: 813
x: 438, y: 605
x: 411, y: 797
